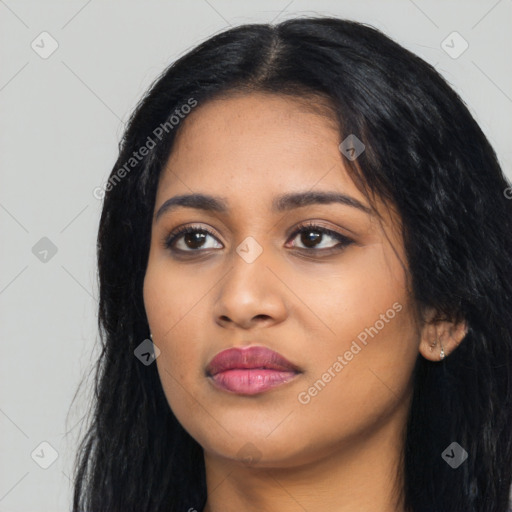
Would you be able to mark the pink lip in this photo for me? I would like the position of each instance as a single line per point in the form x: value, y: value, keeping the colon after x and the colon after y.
x: 250, y: 370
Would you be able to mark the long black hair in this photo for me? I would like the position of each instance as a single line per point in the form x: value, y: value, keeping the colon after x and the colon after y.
x: 426, y: 155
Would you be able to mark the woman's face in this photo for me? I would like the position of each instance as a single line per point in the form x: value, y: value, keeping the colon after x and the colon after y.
x: 338, y: 310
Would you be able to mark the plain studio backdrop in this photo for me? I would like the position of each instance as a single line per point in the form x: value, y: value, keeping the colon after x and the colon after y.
x: 71, y: 73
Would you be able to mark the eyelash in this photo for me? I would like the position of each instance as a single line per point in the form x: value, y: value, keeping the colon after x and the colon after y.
x: 172, y: 237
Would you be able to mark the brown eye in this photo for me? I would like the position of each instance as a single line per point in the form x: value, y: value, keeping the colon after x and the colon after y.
x: 312, y: 236
x: 192, y: 238
x: 309, y: 237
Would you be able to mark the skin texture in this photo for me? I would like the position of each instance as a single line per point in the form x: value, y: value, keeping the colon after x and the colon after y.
x: 270, y: 451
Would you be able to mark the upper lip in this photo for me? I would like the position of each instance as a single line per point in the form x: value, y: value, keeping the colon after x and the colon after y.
x: 249, y: 357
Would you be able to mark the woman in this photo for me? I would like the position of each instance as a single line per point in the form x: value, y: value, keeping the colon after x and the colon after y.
x: 314, y: 232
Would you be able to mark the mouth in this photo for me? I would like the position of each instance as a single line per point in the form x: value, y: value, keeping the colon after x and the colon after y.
x: 250, y: 370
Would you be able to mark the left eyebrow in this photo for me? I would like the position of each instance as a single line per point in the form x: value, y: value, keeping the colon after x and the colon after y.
x: 297, y: 200
x: 279, y: 204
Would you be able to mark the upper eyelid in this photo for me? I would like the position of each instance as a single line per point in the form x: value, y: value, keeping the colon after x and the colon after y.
x: 350, y: 232
x: 319, y: 227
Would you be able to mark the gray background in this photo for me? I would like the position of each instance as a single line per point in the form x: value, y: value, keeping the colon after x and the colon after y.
x: 61, y: 120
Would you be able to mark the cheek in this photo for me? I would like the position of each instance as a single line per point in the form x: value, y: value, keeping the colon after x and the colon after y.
x: 180, y: 369
x: 174, y: 320
x: 366, y: 356
x: 171, y: 297
x: 163, y: 316
x: 352, y: 387
x: 369, y: 288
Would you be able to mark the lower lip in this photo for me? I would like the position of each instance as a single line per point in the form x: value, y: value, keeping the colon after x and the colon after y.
x: 251, y: 381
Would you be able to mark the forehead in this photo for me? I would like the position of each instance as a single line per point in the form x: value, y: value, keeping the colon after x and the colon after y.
x: 255, y: 140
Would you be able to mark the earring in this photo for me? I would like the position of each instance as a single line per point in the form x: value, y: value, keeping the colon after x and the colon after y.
x: 151, y: 335
x: 442, y: 352
x: 432, y: 345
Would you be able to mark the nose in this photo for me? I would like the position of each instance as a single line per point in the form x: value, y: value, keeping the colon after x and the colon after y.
x: 251, y: 294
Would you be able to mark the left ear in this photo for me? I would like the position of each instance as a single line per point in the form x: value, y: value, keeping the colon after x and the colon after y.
x: 440, y: 334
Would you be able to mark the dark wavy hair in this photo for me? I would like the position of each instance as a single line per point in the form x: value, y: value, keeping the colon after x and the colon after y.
x: 425, y: 155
